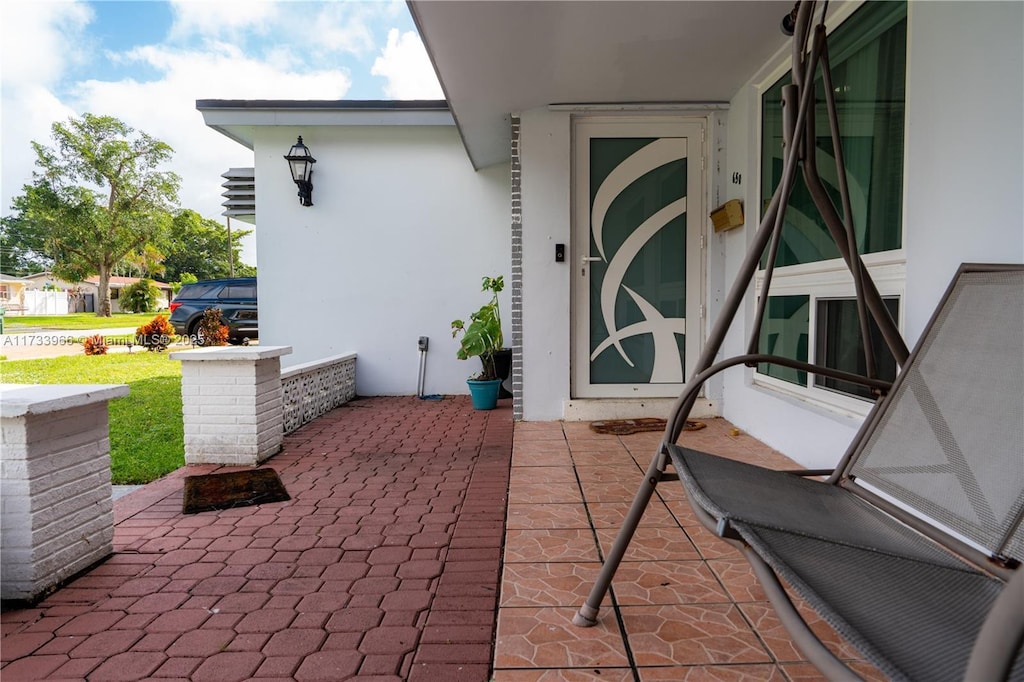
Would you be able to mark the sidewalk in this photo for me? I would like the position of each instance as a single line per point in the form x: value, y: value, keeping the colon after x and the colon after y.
x: 31, y: 345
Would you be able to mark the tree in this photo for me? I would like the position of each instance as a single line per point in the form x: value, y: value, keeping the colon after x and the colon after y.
x: 22, y: 246
x: 97, y: 196
x: 186, y: 278
x: 147, y: 262
x: 199, y: 246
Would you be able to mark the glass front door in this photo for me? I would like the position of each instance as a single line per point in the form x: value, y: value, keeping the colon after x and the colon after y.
x: 639, y: 189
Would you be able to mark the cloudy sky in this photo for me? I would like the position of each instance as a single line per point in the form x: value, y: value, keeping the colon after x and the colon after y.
x: 148, y: 61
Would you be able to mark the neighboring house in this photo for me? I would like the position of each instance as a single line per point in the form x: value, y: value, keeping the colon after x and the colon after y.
x: 83, y: 297
x: 20, y: 296
x: 12, y: 294
x: 614, y: 128
x: 57, y: 296
x: 119, y: 283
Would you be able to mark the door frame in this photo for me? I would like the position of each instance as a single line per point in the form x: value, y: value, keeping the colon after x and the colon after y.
x: 695, y: 129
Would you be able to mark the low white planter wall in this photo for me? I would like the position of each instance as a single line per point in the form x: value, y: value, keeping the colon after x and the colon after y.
x: 232, y: 403
x: 238, y: 403
x: 57, y: 516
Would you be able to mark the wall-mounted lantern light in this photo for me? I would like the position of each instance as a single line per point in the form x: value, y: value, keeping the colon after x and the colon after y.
x: 300, y: 162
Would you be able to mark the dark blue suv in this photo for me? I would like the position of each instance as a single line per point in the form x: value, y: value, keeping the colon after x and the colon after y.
x: 236, y: 298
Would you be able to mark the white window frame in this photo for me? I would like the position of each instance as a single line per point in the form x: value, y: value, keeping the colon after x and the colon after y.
x: 828, y: 279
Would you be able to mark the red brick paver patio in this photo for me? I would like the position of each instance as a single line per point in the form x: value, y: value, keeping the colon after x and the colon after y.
x: 384, y: 564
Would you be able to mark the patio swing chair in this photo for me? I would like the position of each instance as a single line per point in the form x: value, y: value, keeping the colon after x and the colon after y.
x: 911, y: 547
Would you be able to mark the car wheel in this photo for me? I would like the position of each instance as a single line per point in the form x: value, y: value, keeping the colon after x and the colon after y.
x: 195, y: 333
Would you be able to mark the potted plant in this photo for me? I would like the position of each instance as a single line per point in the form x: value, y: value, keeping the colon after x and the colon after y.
x: 482, y: 338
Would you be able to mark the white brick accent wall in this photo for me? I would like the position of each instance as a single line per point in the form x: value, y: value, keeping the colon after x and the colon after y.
x: 232, y: 404
x: 56, y: 514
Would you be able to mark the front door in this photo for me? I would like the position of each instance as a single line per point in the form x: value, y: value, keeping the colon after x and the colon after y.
x: 638, y: 223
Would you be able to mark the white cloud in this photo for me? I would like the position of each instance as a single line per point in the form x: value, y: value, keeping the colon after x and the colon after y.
x: 339, y: 27
x: 28, y: 114
x: 314, y: 28
x: 407, y: 68
x: 222, y: 18
x: 39, y: 39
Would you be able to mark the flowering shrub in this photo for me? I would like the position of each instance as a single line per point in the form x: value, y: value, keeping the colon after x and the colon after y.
x: 95, y: 345
x: 156, y: 335
x: 210, y: 331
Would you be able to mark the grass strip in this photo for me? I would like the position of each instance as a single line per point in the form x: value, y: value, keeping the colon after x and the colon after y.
x: 74, y: 321
x: 147, y: 437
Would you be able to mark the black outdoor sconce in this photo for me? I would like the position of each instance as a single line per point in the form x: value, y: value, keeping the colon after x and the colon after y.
x: 300, y: 162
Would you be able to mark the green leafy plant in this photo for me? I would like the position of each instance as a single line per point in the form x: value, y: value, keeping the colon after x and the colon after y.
x: 186, y: 278
x: 482, y: 336
x: 211, y: 332
x: 140, y: 297
x: 95, y: 345
x: 156, y: 335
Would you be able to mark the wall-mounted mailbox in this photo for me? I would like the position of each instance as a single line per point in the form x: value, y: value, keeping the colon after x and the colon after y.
x: 728, y: 216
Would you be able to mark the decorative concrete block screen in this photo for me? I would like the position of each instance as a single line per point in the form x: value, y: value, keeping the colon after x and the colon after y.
x: 57, y: 514
x: 315, y: 388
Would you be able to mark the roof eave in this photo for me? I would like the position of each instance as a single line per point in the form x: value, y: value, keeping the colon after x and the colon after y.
x: 238, y: 119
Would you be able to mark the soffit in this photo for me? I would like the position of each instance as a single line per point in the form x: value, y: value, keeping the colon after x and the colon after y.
x: 496, y: 58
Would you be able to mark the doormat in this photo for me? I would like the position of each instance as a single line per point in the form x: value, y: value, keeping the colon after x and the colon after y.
x: 210, y: 492
x: 624, y: 427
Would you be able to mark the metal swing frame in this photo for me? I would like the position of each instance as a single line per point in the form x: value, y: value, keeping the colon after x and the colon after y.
x: 898, y: 563
x: 810, y: 51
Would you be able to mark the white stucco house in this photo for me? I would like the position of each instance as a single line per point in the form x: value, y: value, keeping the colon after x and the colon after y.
x: 579, y: 152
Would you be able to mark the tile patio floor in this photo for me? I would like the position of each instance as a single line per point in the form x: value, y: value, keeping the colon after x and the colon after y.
x: 683, y: 604
x: 396, y: 552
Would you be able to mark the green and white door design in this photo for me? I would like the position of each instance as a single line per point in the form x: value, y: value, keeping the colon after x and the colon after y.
x: 637, y: 257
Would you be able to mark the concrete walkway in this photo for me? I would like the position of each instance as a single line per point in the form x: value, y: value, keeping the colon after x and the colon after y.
x: 384, y: 565
x: 52, y: 343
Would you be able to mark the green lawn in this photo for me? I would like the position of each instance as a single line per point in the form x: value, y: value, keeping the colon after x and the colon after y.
x: 146, y: 430
x: 14, y: 323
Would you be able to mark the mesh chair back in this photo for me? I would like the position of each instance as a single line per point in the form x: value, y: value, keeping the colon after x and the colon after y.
x: 950, y: 440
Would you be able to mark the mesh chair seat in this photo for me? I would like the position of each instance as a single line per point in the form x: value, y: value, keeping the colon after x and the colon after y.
x: 912, y: 608
x: 740, y: 492
x: 915, y: 620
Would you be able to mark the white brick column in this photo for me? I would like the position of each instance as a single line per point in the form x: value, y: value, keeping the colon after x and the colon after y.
x: 57, y: 516
x: 232, y: 403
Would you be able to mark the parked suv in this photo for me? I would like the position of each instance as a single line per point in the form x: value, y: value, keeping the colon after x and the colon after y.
x: 236, y: 298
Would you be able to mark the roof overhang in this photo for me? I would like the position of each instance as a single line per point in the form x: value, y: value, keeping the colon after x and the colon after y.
x: 238, y: 118
x: 497, y: 58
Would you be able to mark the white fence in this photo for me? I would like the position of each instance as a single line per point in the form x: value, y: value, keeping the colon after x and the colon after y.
x: 33, y: 302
